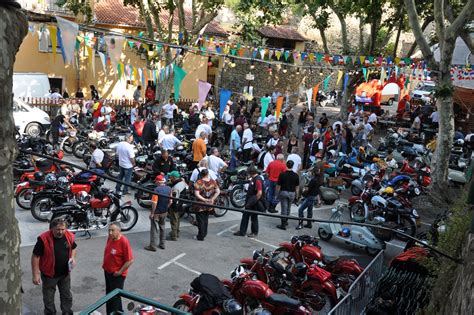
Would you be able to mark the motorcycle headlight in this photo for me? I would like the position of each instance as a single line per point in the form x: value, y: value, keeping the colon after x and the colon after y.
x: 415, y: 213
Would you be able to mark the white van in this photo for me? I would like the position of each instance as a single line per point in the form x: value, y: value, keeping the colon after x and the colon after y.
x: 30, y: 84
x: 30, y: 120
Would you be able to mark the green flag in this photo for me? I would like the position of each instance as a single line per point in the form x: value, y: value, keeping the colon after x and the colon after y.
x: 326, y: 83
x: 179, y: 75
x: 265, y: 101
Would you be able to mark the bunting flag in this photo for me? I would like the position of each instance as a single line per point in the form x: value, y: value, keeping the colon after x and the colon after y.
x: 69, y: 31
x: 114, y: 48
x: 140, y: 74
x: 119, y: 71
x: 60, y: 43
x: 315, y: 92
x: 364, y: 71
x: 203, y: 90
x: 339, y: 76
x: 309, y: 94
x: 54, y: 39
x: 278, y: 106
x: 224, y: 97
x: 179, y: 75
x: 103, y: 59
x: 90, y: 56
x: 278, y: 54
x: 264, y: 101
x: 326, y: 82
x: 346, y: 81
x: 389, y: 72
x: 362, y: 59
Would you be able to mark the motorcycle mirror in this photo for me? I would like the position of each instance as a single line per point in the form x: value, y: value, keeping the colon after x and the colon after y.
x: 130, y: 306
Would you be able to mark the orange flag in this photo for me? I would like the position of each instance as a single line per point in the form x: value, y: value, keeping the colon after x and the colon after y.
x: 315, y: 92
x: 279, y: 104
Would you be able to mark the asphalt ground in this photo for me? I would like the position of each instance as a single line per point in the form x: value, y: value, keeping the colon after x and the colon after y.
x: 165, y: 274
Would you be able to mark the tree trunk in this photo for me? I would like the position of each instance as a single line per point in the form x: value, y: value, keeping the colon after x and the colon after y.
x: 426, y: 22
x: 324, y: 40
x: 361, y: 35
x: 345, y: 42
x: 13, y: 28
x: 397, y: 40
x: 345, y: 102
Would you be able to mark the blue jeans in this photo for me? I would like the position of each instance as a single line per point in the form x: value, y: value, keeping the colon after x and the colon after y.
x: 308, y: 203
x: 125, y: 176
x: 271, y: 196
x: 233, y: 160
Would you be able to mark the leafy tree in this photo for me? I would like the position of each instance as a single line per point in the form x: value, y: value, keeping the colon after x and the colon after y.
x: 448, y: 27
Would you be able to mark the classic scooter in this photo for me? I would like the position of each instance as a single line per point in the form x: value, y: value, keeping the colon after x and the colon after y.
x: 359, y: 236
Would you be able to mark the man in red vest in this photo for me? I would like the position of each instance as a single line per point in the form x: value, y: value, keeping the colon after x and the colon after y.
x: 54, y: 256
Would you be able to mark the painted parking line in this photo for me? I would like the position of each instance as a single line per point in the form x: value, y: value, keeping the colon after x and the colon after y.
x: 262, y: 242
x: 171, y: 261
x: 186, y: 267
x: 229, y: 229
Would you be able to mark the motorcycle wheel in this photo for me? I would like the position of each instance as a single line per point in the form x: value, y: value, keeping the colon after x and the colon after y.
x: 329, y: 202
x: 182, y: 306
x: 357, y: 212
x: 113, y: 170
x: 127, y: 216
x: 144, y: 198
x: 79, y: 149
x: 23, y: 199
x: 406, y: 226
x: 38, y: 206
x: 222, y: 201
x: 67, y: 145
x: 318, y: 301
x: 372, y: 251
x: 324, y: 235
x: 237, y: 196
x: 356, y: 191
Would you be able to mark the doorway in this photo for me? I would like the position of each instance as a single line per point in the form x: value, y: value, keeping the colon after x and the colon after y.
x: 56, y: 83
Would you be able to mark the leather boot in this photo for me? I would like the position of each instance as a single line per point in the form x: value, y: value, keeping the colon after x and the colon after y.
x: 308, y: 225
x: 282, y: 226
x: 272, y: 209
x: 300, y: 225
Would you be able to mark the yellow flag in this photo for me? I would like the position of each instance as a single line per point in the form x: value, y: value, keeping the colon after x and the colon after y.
x: 339, y: 76
x: 54, y: 39
x: 362, y: 59
x: 89, y: 54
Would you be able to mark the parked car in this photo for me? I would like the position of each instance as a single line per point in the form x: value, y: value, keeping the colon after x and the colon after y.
x: 30, y: 84
x: 424, y: 91
x: 30, y: 120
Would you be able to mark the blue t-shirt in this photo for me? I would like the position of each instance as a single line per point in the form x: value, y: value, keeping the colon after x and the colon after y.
x: 162, y: 204
x: 234, y: 137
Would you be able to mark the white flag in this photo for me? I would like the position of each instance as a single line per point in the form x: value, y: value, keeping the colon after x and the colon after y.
x: 69, y: 31
x: 114, y: 48
x: 309, y: 96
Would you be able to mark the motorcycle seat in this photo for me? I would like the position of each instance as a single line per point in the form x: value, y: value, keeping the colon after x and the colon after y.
x: 43, y: 164
x: 330, y: 259
x: 231, y: 172
x: 283, y: 300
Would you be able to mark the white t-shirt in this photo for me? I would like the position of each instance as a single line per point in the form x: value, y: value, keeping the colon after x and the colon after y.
x: 215, y: 163
x: 169, y: 110
x: 267, y: 159
x: 203, y: 127
x: 269, y: 120
x: 372, y: 118
x: 272, y: 142
x: 416, y: 123
x: 168, y: 142
x: 195, y: 173
x: 434, y: 117
x: 125, y: 153
x: 97, y: 157
x: 367, y: 129
x: 228, y: 118
x: 247, y: 138
x: 296, y: 160
x: 161, y: 134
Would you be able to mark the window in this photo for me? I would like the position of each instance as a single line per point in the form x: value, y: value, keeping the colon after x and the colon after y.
x: 45, y: 43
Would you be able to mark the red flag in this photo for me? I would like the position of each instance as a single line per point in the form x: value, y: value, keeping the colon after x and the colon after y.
x: 315, y: 92
x: 279, y: 104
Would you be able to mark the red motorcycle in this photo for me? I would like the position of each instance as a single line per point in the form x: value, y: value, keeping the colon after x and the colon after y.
x: 305, y: 248
x: 309, y: 284
x: 420, y: 173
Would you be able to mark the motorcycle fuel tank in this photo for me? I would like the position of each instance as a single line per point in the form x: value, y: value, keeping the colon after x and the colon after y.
x: 256, y: 289
x: 311, y: 253
x: 76, y: 188
x: 100, y: 203
x: 319, y: 274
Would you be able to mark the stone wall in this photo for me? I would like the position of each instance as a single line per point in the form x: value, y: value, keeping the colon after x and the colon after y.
x: 234, y: 79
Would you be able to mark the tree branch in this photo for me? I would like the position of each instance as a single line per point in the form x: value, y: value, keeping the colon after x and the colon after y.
x: 438, y: 11
x: 203, y: 21
x: 466, y: 37
x: 426, y: 22
x: 419, y: 37
x: 460, y: 22
x: 345, y: 43
x: 155, y: 12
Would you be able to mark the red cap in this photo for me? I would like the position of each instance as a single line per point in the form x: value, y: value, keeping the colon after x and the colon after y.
x: 159, y: 178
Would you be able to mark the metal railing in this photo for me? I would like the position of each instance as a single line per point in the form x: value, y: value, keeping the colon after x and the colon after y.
x: 133, y: 297
x: 362, y: 290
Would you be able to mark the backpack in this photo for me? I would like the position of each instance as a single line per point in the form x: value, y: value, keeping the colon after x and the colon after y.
x: 106, y: 161
x: 261, y: 159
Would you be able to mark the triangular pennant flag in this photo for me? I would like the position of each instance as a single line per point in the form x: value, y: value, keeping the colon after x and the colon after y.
x: 309, y: 96
x: 362, y: 59
x: 286, y: 55
x: 224, y: 97
x: 54, y: 39
x: 140, y: 74
x: 382, y: 76
x: 179, y: 75
x: 119, y: 71
x: 130, y: 44
x: 389, y: 72
x: 397, y: 60
x: 270, y: 54
x: 114, y: 48
x: 315, y: 92
x: 218, y: 49
x: 339, y: 76
x: 60, y: 43
x: 91, y: 56
x: 295, y: 56
x: 264, y: 101
x: 371, y: 59
x: 103, y: 59
x: 326, y: 82
x: 136, y: 77
x: 346, y: 81
x: 69, y: 31
x: 319, y: 57
x: 278, y: 54
x: 345, y: 59
x: 278, y: 106
x: 254, y: 53
x: 327, y: 58
x: 233, y: 51
x: 311, y: 57
x: 262, y: 53
x: 364, y: 71
x: 241, y: 52
x: 203, y: 90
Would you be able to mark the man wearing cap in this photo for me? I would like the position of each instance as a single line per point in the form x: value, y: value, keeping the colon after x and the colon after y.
x: 178, y: 185
x: 159, y: 210
x: 252, y: 202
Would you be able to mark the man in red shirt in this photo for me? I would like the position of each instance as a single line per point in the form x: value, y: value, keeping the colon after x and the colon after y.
x: 274, y: 169
x: 118, y: 257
